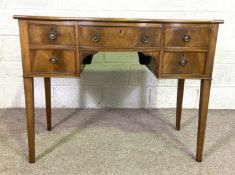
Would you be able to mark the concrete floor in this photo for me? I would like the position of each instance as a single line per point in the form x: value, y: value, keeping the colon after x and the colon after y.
x: 117, y: 141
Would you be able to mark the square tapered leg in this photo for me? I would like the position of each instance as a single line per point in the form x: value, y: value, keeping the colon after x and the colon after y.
x: 29, y: 104
x: 180, y: 94
x: 203, y: 110
x: 47, y: 84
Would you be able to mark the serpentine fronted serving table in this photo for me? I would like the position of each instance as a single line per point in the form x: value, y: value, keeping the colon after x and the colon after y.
x: 61, y: 46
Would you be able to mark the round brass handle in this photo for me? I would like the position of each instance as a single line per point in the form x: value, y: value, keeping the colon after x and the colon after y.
x: 183, y: 61
x: 51, y: 35
x: 186, y: 37
x: 145, y: 38
x: 95, y: 37
x: 53, y: 60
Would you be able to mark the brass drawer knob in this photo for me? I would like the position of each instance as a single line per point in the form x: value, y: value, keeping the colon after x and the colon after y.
x: 145, y: 38
x: 53, y: 59
x: 52, y: 35
x: 183, y: 61
x: 95, y: 37
x: 186, y: 37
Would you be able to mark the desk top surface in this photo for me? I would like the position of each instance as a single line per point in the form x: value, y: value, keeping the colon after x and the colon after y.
x: 128, y: 20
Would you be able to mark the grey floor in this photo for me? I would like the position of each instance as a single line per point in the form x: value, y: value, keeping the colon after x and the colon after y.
x: 117, y: 142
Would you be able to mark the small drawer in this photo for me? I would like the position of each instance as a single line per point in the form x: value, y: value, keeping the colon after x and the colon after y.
x: 119, y: 37
x: 52, y: 61
x: 186, y: 37
x: 51, y: 34
x: 184, y: 63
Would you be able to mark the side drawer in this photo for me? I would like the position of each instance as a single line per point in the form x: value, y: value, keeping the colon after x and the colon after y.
x: 52, y: 61
x: 51, y: 34
x: 192, y: 63
x: 186, y: 37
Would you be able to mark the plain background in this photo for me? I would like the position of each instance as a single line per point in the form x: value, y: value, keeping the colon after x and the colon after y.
x: 116, y: 79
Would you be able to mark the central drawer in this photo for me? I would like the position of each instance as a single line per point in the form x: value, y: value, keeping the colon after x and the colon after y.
x: 52, y: 61
x: 119, y: 37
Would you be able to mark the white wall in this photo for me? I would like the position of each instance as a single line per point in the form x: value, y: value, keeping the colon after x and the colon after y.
x: 113, y: 80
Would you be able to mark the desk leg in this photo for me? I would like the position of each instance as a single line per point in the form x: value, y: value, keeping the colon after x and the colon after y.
x: 47, y: 83
x: 180, y: 94
x: 203, y: 110
x: 29, y: 104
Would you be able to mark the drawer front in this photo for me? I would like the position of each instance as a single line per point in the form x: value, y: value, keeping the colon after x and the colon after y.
x: 119, y: 37
x: 52, y: 61
x: 186, y: 37
x: 51, y: 34
x: 184, y: 63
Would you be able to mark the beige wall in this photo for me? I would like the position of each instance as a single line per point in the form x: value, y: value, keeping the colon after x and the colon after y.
x: 116, y: 79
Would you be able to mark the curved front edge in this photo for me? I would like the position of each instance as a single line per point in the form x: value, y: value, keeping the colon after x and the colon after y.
x: 151, y: 60
x: 85, y: 57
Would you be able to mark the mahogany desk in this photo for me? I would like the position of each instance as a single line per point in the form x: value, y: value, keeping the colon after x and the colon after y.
x: 61, y: 46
